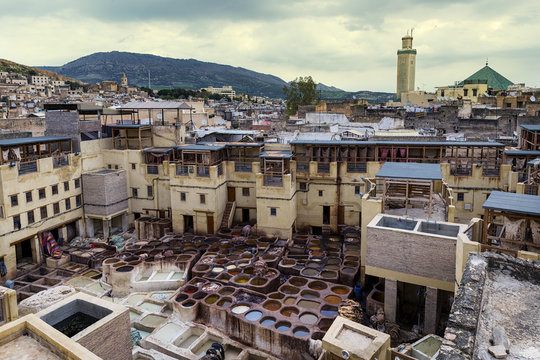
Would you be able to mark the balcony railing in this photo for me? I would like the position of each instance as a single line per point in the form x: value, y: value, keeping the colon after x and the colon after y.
x: 270, y: 180
x: 356, y: 167
x: 302, y: 167
x: 152, y: 169
x: 461, y: 171
x: 220, y: 169
x: 203, y: 171
x: 182, y: 170
x: 491, y: 170
x: 242, y: 167
x: 323, y: 168
x: 27, y: 167
x: 60, y: 161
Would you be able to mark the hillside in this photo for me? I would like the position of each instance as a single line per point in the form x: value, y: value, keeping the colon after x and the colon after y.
x: 169, y: 73
x: 191, y: 74
x: 13, y: 67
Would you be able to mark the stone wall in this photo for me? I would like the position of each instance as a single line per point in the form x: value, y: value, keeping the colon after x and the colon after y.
x: 411, y: 253
x: 105, y: 193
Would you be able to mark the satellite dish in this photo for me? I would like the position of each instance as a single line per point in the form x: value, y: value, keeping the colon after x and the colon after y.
x: 486, y: 93
x: 533, y: 98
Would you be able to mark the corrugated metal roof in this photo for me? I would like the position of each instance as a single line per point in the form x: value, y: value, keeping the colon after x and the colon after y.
x: 531, y: 127
x: 129, y: 126
x: 156, y: 105
x: 522, y: 152
x: 402, y: 170
x: 32, y: 140
x: 276, y: 154
x: 397, y: 143
x: 534, y: 162
x: 516, y: 203
x: 159, y: 150
x: 198, y: 147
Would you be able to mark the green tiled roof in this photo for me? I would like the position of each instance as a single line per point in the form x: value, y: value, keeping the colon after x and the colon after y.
x: 494, y: 80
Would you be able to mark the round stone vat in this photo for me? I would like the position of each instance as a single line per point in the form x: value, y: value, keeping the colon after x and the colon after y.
x: 288, y: 311
x: 272, y: 305
x: 301, y: 331
x: 268, y: 321
x: 283, y: 326
x: 308, y: 318
x: 317, y: 285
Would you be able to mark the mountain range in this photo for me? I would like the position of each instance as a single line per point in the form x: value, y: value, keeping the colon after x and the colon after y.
x: 166, y: 73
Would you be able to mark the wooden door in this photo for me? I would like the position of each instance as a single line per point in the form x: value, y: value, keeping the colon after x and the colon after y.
x: 341, y: 215
x: 210, y: 223
x: 231, y: 194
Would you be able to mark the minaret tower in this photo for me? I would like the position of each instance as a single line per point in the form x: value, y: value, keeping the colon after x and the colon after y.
x: 123, y: 82
x: 406, y: 65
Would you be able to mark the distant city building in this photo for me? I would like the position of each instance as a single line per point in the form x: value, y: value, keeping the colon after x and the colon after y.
x: 406, y: 66
x: 224, y: 90
x: 40, y: 80
x: 474, y: 86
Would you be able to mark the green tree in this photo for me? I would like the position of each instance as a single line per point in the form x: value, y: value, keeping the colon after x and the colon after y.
x: 301, y: 91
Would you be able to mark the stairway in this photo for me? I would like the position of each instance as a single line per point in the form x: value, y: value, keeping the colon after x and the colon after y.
x: 226, y: 221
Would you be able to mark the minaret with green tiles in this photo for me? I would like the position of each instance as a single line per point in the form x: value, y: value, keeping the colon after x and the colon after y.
x: 406, y: 65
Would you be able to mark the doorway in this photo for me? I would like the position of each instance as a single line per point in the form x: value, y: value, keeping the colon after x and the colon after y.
x: 245, y: 215
x: 23, y: 252
x: 341, y: 215
x: 188, y: 224
x: 326, y: 215
x: 231, y: 193
x: 210, y: 223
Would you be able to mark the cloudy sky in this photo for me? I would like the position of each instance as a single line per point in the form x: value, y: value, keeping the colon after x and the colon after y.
x: 350, y: 44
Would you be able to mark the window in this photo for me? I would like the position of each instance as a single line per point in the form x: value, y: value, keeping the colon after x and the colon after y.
x: 66, y: 185
x: 109, y: 166
x: 30, y: 216
x: 465, y: 92
x: 320, y: 192
x: 245, y: 191
x: 487, y: 195
x: 78, y: 200
x: 14, y: 200
x: 303, y: 186
x: 182, y: 196
x: 442, y: 92
x: 54, y: 189
x: 77, y: 183
x: 273, y: 211
x: 357, y: 190
x: 68, y: 204
x: 16, y: 222
x: 460, y: 196
x: 43, y: 212
x: 116, y: 167
x: 134, y: 192
x: 29, y: 196
x: 56, y: 208
x: 133, y: 166
x: 41, y: 193
x: 150, y: 190
x: 202, y: 198
x: 474, y: 92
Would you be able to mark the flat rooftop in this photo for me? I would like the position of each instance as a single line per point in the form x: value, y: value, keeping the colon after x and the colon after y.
x: 418, y: 171
x: 495, y: 290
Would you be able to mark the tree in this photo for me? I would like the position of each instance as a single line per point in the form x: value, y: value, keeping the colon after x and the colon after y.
x: 301, y: 91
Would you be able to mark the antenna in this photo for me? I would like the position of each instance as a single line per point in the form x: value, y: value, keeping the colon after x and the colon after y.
x: 486, y: 61
x: 412, y: 29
